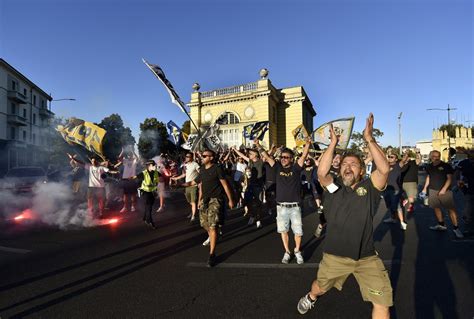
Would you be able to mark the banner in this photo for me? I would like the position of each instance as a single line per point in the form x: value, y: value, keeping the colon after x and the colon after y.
x: 342, y: 127
x: 213, y: 142
x: 300, y: 134
x: 247, y: 130
x: 174, y: 132
x: 185, y: 136
x: 83, y: 133
x: 191, y: 140
x: 258, y: 130
x: 158, y: 72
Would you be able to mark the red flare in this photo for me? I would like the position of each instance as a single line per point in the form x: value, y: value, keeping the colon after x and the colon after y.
x: 26, y: 214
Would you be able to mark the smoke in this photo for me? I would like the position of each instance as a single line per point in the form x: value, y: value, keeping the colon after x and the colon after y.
x: 49, y: 203
x: 153, y: 140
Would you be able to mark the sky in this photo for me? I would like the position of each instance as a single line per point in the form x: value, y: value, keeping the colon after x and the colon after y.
x: 351, y: 56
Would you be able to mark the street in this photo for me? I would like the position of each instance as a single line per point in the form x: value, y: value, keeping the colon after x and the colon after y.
x: 128, y: 270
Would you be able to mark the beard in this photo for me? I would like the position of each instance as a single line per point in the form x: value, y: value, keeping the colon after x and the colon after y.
x: 348, y: 179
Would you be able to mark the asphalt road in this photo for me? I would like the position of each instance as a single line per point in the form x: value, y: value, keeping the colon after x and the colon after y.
x: 127, y: 270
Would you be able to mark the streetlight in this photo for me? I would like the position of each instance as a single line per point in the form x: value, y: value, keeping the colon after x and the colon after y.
x: 65, y: 99
x: 400, y: 132
x: 449, y: 123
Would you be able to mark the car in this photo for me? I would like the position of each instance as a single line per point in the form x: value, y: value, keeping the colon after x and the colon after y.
x: 23, y: 179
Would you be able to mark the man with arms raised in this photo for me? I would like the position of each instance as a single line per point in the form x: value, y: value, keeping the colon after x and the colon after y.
x: 350, y: 205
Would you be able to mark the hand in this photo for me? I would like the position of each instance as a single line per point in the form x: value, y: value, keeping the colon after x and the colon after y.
x: 369, y: 127
x: 231, y: 204
x: 334, y: 138
x: 256, y: 142
x: 69, y: 155
x: 308, y: 140
x: 442, y: 192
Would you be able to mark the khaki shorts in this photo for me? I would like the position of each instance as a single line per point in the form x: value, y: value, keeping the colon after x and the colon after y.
x: 210, y: 213
x: 76, y: 186
x: 191, y: 193
x: 443, y: 201
x: 369, y: 272
x: 411, y: 188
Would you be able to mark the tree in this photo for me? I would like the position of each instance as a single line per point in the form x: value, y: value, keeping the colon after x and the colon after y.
x: 117, y: 136
x: 452, y: 129
x: 186, y: 128
x: 358, y: 142
x: 154, y: 139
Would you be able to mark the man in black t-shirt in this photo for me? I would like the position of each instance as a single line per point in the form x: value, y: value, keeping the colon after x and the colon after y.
x: 288, y: 197
x: 438, y: 185
x: 212, y: 188
x: 410, y: 179
x: 351, y: 203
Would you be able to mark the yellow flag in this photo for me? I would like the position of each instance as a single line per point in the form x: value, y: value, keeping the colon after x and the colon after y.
x: 86, y: 134
x: 300, y: 134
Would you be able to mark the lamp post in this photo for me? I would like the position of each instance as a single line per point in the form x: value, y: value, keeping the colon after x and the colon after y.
x: 400, y: 132
x: 65, y: 99
x: 449, y: 109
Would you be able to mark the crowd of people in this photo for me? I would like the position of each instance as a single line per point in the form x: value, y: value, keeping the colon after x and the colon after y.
x: 345, y: 190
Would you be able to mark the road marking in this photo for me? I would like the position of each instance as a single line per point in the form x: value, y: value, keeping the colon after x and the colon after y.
x: 14, y: 250
x: 271, y: 266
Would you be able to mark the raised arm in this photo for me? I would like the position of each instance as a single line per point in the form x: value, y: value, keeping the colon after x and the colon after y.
x: 73, y: 158
x: 264, y: 153
x: 325, y: 160
x: 305, y: 152
x: 380, y: 175
x: 242, y: 155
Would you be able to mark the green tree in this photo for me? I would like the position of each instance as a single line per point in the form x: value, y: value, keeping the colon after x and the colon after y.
x: 154, y: 139
x: 357, y: 140
x: 452, y: 129
x: 117, y: 136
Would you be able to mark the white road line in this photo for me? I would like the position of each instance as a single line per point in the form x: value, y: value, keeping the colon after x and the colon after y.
x: 271, y: 266
x: 14, y: 250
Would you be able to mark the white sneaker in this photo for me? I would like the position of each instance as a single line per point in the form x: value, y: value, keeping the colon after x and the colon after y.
x: 207, y: 241
x: 159, y: 210
x: 259, y: 224
x: 192, y: 219
x: 133, y: 209
x: 390, y: 220
x: 123, y: 210
x: 299, y: 257
x: 251, y: 221
x: 458, y: 233
x: 286, y: 258
x: 403, y: 225
x: 438, y: 227
x: 318, y: 231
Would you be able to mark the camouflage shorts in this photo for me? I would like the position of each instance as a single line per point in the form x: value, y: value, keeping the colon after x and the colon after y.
x: 210, y: 213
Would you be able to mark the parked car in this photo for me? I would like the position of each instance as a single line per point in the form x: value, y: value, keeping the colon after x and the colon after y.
x: 22, y: 179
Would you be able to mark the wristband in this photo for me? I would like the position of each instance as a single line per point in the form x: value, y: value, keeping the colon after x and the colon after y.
x: 332, y: 188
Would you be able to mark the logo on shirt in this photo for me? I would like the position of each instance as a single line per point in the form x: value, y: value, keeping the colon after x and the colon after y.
x: 361, y: 191
x: 441, y: 168
x: 286, y: 174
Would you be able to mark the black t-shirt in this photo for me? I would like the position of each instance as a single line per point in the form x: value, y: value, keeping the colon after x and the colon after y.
x: 269, y: 173
x: 349, y: 213
x: 394, y: 181
x: 410, y: 172
x: 288, y: 183
x: 210, y: 182
x: 467, y: 170
x: 438, y: 175
x: 257, y: 172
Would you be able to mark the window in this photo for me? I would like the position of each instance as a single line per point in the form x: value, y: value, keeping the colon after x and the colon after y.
x: 12, y: 133
x: 13, y: 85
x: 13, y: 109
x: 24, y: 113
x: 24, y: 135
x: 34, y: 118
x: 228, y: 118
x: 42, y: 104
x: 34, y: 138
x: 34, y: 100
x: 24, y: 92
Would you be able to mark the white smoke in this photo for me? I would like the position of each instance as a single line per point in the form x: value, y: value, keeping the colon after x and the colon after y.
x: 50, y: 203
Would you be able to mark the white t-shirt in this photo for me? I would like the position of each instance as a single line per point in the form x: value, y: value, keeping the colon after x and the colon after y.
x: 129, y: 167
x: 240, y: 169
x: 192, y: 171
x: 95, y: 175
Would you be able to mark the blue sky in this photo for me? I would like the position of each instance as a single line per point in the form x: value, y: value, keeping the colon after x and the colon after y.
x: 352, y: 57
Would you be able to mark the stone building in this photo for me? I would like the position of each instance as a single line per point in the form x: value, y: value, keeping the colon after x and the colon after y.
x: 249, y: 103
x: 441, y: 142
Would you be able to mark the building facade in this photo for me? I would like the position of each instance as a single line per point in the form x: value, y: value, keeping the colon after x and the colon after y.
x: 24, y: 120
x: 441, y: 141
x: 249, y: 103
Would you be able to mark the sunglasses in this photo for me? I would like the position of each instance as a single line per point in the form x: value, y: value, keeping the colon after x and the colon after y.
x: 204, y: 156
x: 188, y: 156
x: 392, y: 157
x: 285, y: 157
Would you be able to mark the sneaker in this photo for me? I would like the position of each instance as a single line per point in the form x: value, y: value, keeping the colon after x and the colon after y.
x: 438, y: 227
x: 192, y: 219
x: 123, y: 210
x: 320, y: 210
x: 403, y: 225
x: 159, y: 210
x: 319, y: 231
x: 246, y: 211
x: 259, y: 224
x: 390, y: 220
x: 251, y: 221
x: 305, y: 304
x: 211, y: 262
x: 133, y: 209
x: 207, y: 241
x: 286, y: 258
x: 458, y: 233
x: 299, y: 257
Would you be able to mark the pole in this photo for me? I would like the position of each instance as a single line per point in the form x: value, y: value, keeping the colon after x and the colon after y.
x: 449, y: 138
x: 400, y: 132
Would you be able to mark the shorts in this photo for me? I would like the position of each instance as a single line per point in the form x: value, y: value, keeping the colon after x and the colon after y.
x: 444, y: 201
x: 161, y: 188
x: 392, y: 199
x: 285, y: 215
x: 129, y: 187
x: 191, y: 193
x: 211, y: 213
x: 370, y: 273
x: 76, y: 186
x: 411, y: 189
